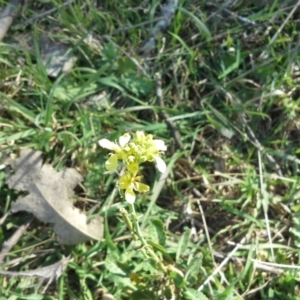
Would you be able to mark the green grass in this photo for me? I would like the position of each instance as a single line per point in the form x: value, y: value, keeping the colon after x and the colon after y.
x: 231, y: 90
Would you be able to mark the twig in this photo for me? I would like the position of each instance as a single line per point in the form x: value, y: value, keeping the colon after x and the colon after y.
x: 222, y: 264
x: 265, y: 200
x: 206, y: 230
x: 242, y: 19
x: 170, y: 124
x: 227, y: 11
x: 269, y: 265
x: 262, y: 150
x: 7, y: 245
x: 263, y: 54
x: 255, y: 290
x: 167, y: 13
x: 2, y: 220
x: 46, y: 13
x: 242, y: 118
x: 127, y: 28
x: 16, y: 261
x: 7, y: 16
x: 188, y: 214
x: 261, y: 265
x: 208, y: 238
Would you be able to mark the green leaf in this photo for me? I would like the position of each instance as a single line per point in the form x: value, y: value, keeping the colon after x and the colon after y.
x: 122, y: 281
x: 111, y: 245
x: 16, y: 136
x: 191, y: 294
x: 138, y: 295
x: 162, y: 250
x: 146, y: 266
x: 139, y: 86
x: 227, y: 294
x: 126, y: 65
x: 201, y: 26
x: 111, y: 81
x: 15, y: 106
x: 295, y: 230
x: 110, y: 53
x: 112, y: 266
x: 194, y: 266
x: 27, y: 297
x: 66, y: 92
x: 183, y: 243
x: 178, y: 278
x: 156, y: 231
x: 233, y: 66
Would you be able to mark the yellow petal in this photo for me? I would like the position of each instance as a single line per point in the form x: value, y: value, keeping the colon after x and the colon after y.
x: 141, y: 188
x: 138, y: 178
x: 124, y: 139
x: 112, y: 163
x: 149, y: 138
x: 133, y: 168
x: 130, y: 159
x: 130, y: 195
x: 125, y: 182
x: 161, y: 165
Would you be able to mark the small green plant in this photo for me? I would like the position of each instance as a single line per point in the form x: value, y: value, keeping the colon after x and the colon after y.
x: 134, y: 151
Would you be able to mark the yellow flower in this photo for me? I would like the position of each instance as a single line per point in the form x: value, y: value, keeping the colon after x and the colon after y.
x: 142, y: 148
x: 146, y: 149
x: 121, y: 151
x: 131, y: 183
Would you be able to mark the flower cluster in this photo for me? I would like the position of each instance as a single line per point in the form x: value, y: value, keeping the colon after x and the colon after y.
x: 134, y: 151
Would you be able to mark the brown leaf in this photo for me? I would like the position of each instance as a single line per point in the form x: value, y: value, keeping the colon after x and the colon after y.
x: 7, y: 16
x: 52, y: 272
x: 56, y: 57
x: 50, y: 198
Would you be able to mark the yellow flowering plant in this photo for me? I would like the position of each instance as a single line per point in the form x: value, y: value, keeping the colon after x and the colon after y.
x: 133, y: 151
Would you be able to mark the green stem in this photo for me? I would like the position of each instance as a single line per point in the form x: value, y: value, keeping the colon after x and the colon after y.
x: 136, y: 225
x: 137, y: 233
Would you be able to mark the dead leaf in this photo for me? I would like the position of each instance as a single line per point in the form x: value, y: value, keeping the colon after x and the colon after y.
x: 7, y: 16
x: 52, y: 272
x: 12, y: 241
x: 56, y: 57
x: 50, y: 198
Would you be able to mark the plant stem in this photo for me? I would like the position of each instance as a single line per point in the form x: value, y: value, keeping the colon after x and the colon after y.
x: 137, y: 233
